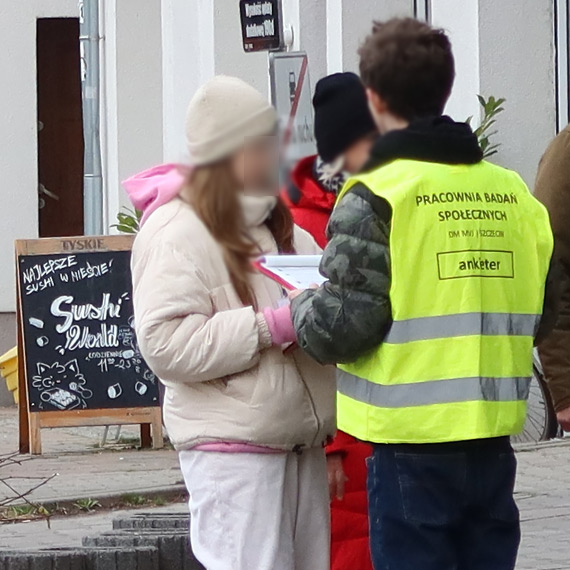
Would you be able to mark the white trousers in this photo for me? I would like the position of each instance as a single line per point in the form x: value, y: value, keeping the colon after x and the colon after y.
x: 253, y: 511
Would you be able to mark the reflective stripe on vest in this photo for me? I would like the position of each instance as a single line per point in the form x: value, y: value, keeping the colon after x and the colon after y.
x: 465, y: 324
x: 433, y: 391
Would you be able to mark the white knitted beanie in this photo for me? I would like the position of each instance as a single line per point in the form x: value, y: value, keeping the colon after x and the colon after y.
x: 222, y: 113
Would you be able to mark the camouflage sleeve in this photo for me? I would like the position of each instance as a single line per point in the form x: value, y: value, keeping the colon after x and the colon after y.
x: 351, y: 313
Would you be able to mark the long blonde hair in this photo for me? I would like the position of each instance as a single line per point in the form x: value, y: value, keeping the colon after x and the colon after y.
x: 212, y: 191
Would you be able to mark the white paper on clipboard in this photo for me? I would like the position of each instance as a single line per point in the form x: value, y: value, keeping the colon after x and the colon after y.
x: 292, y: 271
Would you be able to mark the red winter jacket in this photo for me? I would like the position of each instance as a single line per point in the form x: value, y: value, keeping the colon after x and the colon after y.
x: 311, y: 206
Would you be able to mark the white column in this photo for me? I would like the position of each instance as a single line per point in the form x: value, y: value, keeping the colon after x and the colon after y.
x: 187, y: 62
x: 139, y: 84
x: 133, y: 94
x: 349, y: 22
x: 562, y: 61
x: 335, y: 52
x: 421, y: 10
x: 109, y: 115
x: 461, y: 21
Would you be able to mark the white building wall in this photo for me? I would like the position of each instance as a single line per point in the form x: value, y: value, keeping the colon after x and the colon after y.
x: 516, y: 52
x: 562, y: 36
x: 18, y: 141
x: 133, y: 122
x: 312, y: 34
x: 335, y: 49
x: 351, y: 21
x: 505, y: 49
x: 229, y: 57
x: 18, y: 128
x: 461, y: 22
x: 156, y: 54
x: 132, y: 109
x: 180, y: 76
x: 202, y: 38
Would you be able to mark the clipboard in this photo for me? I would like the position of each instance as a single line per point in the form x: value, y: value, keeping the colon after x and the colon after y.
x: 292, y: 271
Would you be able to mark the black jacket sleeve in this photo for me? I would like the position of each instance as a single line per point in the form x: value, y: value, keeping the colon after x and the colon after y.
x: 351, y: 313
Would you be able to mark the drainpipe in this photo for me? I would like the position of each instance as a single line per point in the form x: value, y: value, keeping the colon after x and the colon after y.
x: 89, y: 39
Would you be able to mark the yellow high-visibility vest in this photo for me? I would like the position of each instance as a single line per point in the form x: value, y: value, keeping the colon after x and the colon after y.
x: 470, y: 250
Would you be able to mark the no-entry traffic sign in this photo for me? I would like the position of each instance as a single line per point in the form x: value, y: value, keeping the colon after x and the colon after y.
x: 291, y: 96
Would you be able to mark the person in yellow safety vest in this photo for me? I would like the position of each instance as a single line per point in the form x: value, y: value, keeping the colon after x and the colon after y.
x: 438, y: 264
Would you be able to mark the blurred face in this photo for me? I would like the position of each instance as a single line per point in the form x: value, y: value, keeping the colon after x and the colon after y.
x: 256, y: 166
x: 357, y: 155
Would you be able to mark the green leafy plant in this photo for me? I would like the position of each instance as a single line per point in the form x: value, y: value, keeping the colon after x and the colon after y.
x: 87, y: 505
x: 23, y: 510
x: 128, y: 221
x: 133, y: 500
x: 46, y: 510
x: 491, y: 108
x: 159, y: 501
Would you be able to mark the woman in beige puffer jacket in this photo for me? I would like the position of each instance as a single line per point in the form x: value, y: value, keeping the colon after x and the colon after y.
x: 249, y: 413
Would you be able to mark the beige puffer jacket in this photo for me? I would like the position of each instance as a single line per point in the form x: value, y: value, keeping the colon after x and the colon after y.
x: 222, y: 385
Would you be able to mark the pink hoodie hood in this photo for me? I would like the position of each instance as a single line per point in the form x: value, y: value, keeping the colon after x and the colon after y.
x: 155, y: 187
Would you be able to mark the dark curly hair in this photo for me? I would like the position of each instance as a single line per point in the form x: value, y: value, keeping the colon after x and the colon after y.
x: 410, y: 65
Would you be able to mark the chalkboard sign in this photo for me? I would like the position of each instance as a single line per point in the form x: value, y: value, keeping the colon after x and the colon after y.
x: 76, y: 316
x: 261, y: 25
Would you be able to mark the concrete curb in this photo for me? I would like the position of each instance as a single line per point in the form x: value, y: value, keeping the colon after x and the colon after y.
x: 173, y: 545
x: 173, y: 493
x: 124, y: 558
x: 142, y: 520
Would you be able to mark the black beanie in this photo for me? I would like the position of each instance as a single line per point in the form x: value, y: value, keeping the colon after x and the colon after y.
x: 342, y: 115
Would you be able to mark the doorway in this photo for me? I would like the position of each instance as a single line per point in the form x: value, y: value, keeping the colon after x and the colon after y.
x: 60, y: 128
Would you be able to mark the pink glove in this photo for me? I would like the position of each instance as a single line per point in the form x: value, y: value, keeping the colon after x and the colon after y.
x: 280, y: 324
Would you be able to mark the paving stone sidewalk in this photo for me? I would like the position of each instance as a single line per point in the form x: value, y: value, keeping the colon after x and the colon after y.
x: 543, y: 490
x: 543, y: 495
x: 83, y: 470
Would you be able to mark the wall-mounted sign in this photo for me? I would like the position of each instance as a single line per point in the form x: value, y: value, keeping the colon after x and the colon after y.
x: 261, y: 25
x: 291, y: 96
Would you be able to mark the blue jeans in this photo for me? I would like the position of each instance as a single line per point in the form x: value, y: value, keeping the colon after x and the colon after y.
x: 443, y: 506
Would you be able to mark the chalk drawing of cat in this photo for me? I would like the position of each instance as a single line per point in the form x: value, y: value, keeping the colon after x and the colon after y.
x: 62, y: 385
